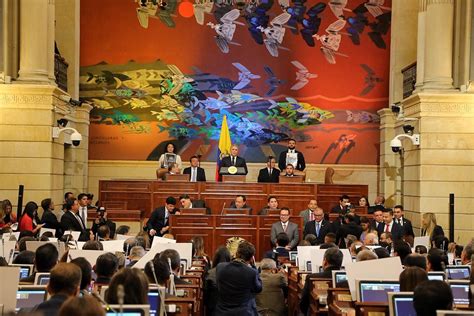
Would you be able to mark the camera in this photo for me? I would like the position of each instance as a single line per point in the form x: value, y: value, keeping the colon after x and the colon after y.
x: 101, y: 212
x: 76, y: 138
x: 396, y: 145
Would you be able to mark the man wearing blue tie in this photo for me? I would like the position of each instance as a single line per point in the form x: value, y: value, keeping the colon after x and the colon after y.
x: 319, y: 227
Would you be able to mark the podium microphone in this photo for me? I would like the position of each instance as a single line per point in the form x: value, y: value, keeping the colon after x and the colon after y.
x: 223, y: 207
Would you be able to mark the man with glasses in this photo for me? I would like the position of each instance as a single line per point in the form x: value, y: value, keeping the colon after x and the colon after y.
x: 285, y: 226
x: 319, y: 227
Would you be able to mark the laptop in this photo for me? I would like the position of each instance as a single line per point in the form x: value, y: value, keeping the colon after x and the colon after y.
x: 25, y: 269
x: 375, y: 291
x: 293, y: 255
x: 458, y: 272
x: 401, y: 304
x: 28, y: 297
x: 339, y: 277
x: 436, y: 275
x: 127, y: 310
x: 41, y: 278
x: 460, y: 289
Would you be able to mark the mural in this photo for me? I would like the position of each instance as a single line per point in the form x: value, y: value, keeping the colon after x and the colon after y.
x: 169, y: 70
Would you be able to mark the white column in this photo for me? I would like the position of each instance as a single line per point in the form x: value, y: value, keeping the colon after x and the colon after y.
x: 439, y: 40
x: 34, y: 42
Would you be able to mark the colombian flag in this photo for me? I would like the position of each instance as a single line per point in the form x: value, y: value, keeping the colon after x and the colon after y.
x: 224, y: 145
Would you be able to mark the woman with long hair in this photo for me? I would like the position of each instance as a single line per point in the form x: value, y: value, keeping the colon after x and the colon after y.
x: 28, y: 218
x: 429, y: 227
x: 170, y: 151
x: 222, y: 254
x: 7, y: 217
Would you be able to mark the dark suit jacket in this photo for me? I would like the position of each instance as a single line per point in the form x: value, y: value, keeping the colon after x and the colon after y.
x: 157, y: 220
x: 282, y: 160
x: 397, y: 230
x: 51, y: 307
x: 306, y: 293
x: 310, y: 228
x: 407, y: 227
x: 201, y: 174
x: 263, y: 175
x: 240, y: 162
x: 69, y: 222
x: 347, y: 229
x: 237, y: 284
x: 51, y: 221
x: 437, y: 231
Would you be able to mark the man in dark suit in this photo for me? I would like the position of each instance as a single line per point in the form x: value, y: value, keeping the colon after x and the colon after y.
x: 186, y: 202
x: 332, y: 261
x: 349, y: 227
x: 234, y: 159
x: 158, y: 224
x: 240, y: 202
x: 195, y: 172
x: 378, y: 217
x: 49, y: 219
x: 398, y: 217
x: 319, y: 227
x: 270, y: 173
x: 72, y: 221
x: 238, y: 281
x: 390, y: 226
x: 289, y: 155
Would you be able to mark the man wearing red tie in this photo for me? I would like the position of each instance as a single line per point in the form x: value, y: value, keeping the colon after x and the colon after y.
x: 389, y: 226
x: 308, y: 213
x: 285, y: 226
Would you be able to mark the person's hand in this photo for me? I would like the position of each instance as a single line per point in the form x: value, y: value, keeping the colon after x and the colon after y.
x: 152, y: 232
x: 91, y: 235
x: 177, y: 213
x: 165, y: 229
x: 288, y: 248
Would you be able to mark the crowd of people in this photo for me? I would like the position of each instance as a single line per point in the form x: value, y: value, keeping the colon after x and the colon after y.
x: 234, y: 283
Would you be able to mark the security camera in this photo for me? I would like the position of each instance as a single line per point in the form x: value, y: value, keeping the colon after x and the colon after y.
x: 408, y: 129
x: 70, y: 100
x: 396, y: 142
x: 75, y: 137
x: 396, y: 108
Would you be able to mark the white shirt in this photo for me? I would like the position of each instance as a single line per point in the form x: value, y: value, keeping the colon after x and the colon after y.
x: 193, y: 174
x: 285, y: 226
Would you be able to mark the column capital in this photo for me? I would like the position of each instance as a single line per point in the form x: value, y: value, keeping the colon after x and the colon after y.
x: 429, y: 2
x: 422, y: 5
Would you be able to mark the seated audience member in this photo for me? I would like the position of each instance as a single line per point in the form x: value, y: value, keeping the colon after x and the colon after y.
x: 196, y: 173
x: 72, y: 221
x: 7, y: 217
x: 131, y: 242
x: 22, y: 242
x: 134, y: 284
x: 82, y: 306
x: 49, y: 219
x: 440, y: 242
x: 364, y: 201
x: 238, y: 281
x: 420, y: 249
x: 386, y: 240
x: 102, y: 222
x: 172, y: 256
x: 86, y: 272
x: 390, y: 226
x: 344, y: 205
x: 401, y: 249
x: 158, y: 271
x: 415, y: 260
x: 371, y: 239
x: 411, y: 277
x: 436, y: 260
x: 382, y: 252
x: 429, y: 226
x: 311, y: 239
x: 308, y: 213
x: 240, y: 202
x: 332, y: 261
x: 281, y: 249
x: 430, y: 296
x: 365, y: 225
x: 285, y: 226
x: 136, y: 253
x: 222, y: 254
x: 186, y: 202
x: 467, y: 252
x: 289, y: 171
x: 349, y: 227
x: 275, y: 284
x: 64, y: 282
x: 25, y: 257
x: 269, y: 173
x: 355, y: 246
x: 319, y: 227
x: 304, y: 242
x: 328, y: 245
x: 28, y: 218
x: 105, y: 267
x: 330, y: 238
x: 158, y: 224
x: 93, y: 245
x: 173, y: 168
x: 3, y: 262
x: 123, y: 230
x: 272, y: 205
x: 365, y: 255
x: 46, y: 257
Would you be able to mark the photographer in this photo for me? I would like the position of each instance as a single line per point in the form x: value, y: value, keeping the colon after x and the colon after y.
x: 102, y: 220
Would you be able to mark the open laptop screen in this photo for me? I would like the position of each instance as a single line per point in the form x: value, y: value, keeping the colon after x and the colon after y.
x: 376, y: 291
x: 458, y: 272
x: 460, y: 293
x: 29, y: 298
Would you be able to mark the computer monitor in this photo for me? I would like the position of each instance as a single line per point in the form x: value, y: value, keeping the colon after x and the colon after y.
x: 28, y: 297
x: 41, y: 278
x: 458, y: 272
x: 338, y: 278
x: 293, y: 255
x: 25, y: 270
x: 436, y: 275
x: 127, y: 310
x: 155, y: 296
x: 375, y: 291
x: 460, y: 289
x: 401, y: 304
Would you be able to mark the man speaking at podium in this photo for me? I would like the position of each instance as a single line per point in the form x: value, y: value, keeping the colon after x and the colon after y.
x: 234, y: 159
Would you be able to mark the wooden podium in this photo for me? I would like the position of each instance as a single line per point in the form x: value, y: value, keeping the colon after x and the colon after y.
x: 233, y: 178
x: 295, y: 179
